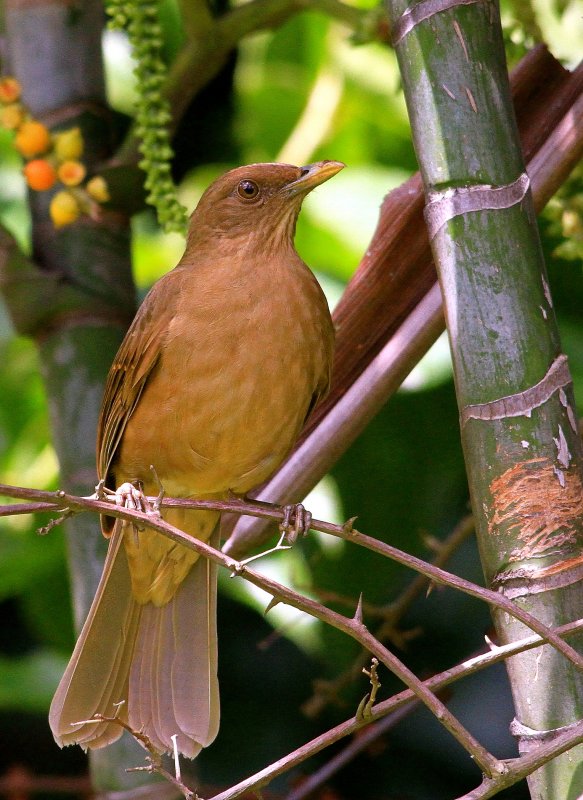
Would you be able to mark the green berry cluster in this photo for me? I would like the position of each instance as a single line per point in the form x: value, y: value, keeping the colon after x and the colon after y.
x: 139, y: 18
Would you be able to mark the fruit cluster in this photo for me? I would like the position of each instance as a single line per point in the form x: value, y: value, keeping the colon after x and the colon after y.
x: 51, y: 159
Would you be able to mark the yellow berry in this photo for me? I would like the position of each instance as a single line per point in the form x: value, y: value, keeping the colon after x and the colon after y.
x: 64, y: 209
x: 32, y: 139
x: 71, y: 173
x: 97, y: 189
x: 11, y: 116
x: 39, y: 174
x: 9, y: 90
x: 68, y: 144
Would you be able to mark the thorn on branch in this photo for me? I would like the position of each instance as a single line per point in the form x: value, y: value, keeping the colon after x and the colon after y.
x: 358, y: 613
x: 275, y: 601
x: 348, y: 526
x: 237, y: 568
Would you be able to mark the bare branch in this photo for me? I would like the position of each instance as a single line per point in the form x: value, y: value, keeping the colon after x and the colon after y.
x: 498, y: 773
x: 348, y: 533
x: 393, y: 704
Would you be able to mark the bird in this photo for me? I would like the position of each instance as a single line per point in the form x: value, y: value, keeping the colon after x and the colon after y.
x: 226, y: 358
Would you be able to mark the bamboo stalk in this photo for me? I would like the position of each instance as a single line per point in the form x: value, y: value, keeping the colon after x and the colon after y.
x: 523, y: 453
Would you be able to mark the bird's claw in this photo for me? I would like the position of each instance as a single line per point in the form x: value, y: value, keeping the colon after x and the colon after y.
x: 296, y: 522
x: 131, y: 496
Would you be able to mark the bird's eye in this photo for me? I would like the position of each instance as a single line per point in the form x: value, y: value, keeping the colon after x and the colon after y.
x: 248, y: 190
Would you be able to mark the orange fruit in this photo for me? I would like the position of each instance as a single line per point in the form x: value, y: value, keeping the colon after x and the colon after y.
x: 71, y: 173
x: 9, y: 90
x: 39, y: 174
x: 32, y: 139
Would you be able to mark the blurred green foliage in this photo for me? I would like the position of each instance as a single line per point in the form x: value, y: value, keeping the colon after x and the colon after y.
x: 302, y: 92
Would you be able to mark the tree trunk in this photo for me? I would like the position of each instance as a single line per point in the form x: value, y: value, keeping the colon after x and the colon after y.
x: 76, y: 297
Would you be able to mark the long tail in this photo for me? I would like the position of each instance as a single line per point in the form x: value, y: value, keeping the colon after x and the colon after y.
x: 159, y: 662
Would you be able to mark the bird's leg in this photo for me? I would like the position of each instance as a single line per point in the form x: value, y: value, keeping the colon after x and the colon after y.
x: 296, y: 522
x: 130, y: 495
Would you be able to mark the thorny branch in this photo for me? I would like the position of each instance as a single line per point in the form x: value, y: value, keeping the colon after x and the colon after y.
x: 497, y: 773
x: 61, y: 500
x: 324, y: 691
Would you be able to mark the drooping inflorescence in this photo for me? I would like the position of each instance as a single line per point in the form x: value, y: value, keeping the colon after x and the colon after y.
x: 139, y: 18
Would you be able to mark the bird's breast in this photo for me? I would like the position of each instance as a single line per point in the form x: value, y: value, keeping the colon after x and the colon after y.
x: 233, y: 384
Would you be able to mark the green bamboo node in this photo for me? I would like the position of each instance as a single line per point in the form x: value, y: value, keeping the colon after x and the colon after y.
x: 139, y: 19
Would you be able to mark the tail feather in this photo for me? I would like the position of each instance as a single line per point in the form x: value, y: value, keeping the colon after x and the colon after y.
x: 196, y: 699
x: 97, y: 672
x: 160, y: 660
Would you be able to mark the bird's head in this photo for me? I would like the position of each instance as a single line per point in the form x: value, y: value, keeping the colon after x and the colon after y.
x: 257, y: 200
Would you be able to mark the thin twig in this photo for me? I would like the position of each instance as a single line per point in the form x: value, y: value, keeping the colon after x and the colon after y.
x: 325, y: 690
x: 153, y: 759
x: 403, y: 699
x: 346, y: 532
x: 353, y: 627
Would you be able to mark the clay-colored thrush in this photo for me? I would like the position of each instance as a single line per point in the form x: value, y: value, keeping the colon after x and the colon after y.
x: 226, y: 357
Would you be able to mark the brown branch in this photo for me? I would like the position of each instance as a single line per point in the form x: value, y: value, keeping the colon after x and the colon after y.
x: 352, y: 627
x: 392, y: 613
x: 422, y: 691
x: 72, y: 504
x: 398, y: 701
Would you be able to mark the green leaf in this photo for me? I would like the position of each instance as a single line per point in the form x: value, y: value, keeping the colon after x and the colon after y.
x: 28, y: 683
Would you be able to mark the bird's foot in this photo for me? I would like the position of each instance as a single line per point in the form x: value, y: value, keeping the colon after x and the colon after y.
x: 130, y: 495
x: 296, y: 522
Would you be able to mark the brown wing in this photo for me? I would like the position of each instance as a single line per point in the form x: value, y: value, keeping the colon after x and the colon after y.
x: 135, y: 360
x: 327, y: 341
